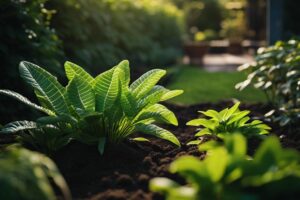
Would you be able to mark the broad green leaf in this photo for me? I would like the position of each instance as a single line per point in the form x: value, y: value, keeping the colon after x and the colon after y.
x: 159, y: 93
x: 128, y: 103
x: 209, y: 145
x: 46, y: 84
x: 124, y: 72
x: 194, y: 142
x: 268, y: 151
x: 26, y: 101
x: 223, y: 114
x: 56, y: 119
x: 17, y: 126
x: 81, y: 94
x: 202, y: 132
x: 236, y: 145
x: 152, y: 97
x: 186, y: 164
x: 232, y: 110
x: 106, y: 88
x: 162, y: 184
x: 234, y: 175
x: 263, y: 126
x: 183, y: 193
x: 212, y: 113
x: 242, y: 121
x: 216, y: 163
x: 43, y: 100
x: 238, y: 116
x: 140, y: 139
x: 156, y: 131
x: 170, y: 94
x: 159, y: 113
x: 146, y: 82
x: 73, y: 70
x: 203, y: 122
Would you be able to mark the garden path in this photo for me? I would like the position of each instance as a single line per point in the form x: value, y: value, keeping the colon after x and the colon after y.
x: 225, y: 62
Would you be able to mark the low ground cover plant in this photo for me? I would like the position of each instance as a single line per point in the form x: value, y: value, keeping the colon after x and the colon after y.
x: 228, y: 121
x: 276, y: 72
x: 26, y: 175
x: 228, y: 172
x: 100, y: 110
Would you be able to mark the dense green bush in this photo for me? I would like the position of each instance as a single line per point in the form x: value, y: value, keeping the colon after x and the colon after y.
x: 24, y: 34
x: 99, y: 33
x: 276, y: 71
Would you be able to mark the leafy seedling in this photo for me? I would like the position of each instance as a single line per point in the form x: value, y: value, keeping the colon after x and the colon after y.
x: 228, y: 121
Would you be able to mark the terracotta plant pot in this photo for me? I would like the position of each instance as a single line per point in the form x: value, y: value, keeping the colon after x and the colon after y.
x: 235, y: 47
x: 196, y: 51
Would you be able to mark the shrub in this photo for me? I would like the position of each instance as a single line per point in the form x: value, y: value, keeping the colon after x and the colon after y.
x: 24, y: 33
x: 228, y: 121
x: 276, y: 72
x: 94, y: 110
x: 99, y: 33
x: 228, y: 173
x: 26, y: 175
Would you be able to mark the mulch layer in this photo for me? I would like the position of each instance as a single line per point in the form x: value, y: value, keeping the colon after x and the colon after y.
x: 124, y: 171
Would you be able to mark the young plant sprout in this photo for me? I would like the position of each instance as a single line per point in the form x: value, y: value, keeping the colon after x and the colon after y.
x: 100, y: 110
x: 228, y: 121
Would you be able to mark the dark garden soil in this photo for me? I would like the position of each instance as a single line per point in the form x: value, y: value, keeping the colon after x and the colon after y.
x: 124, y: 171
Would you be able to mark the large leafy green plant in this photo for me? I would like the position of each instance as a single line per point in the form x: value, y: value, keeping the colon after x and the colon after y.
x: 29, y: 175
x: 95, y: 110
x: 228, y: 172
x: 276, y: 72
x: 228, y: 121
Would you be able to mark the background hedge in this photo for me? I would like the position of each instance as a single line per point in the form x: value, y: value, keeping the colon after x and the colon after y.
x: 99, y: 33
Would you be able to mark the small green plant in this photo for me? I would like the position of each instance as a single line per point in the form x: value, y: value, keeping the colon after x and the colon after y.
x: 94, y: 110
x: 28, y: 175
x: 228, y: 172
x: 276, y: 72
x: 228, y: 121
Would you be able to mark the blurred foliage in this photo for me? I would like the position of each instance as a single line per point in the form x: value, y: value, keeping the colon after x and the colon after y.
x: 276, y: 71
x: 99, y: 33
x: 234, y: 27
x: 205, y: 35
x: 227, y: 172
x: 201, y: 15
x: 24, y: 34
x: 25, y: 175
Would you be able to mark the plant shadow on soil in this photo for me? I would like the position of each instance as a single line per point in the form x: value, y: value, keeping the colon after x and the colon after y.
x: 123, y: 172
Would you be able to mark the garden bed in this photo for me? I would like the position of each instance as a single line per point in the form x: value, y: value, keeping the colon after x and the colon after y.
x: 124, y: 171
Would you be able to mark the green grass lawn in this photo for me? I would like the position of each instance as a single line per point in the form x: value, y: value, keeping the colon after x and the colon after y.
x: 201, y: 86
